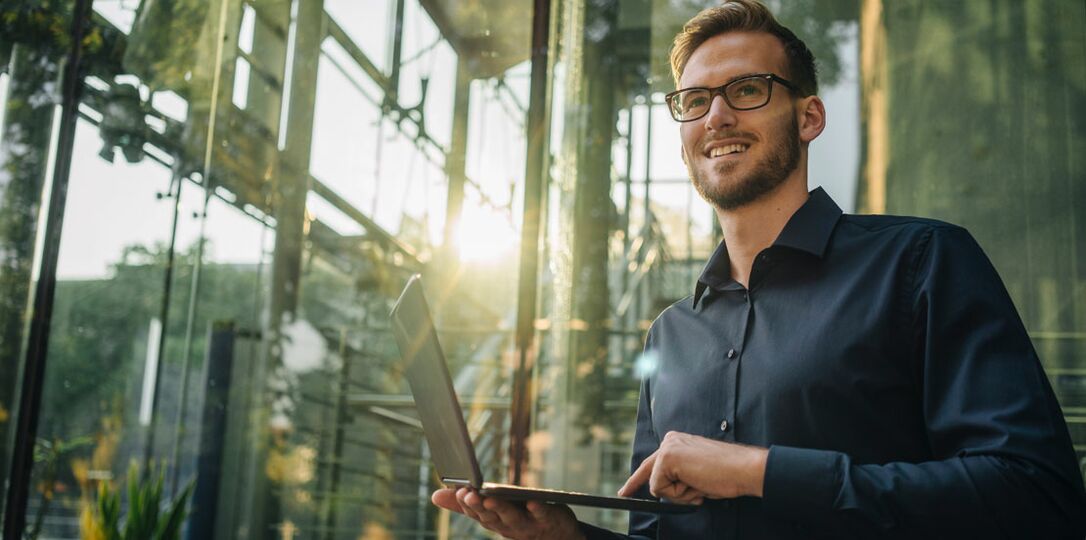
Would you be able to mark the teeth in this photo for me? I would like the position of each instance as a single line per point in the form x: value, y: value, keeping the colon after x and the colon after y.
x: 729, y: 149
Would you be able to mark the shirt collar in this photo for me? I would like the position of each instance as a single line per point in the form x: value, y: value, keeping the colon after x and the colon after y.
x: 808, y: 230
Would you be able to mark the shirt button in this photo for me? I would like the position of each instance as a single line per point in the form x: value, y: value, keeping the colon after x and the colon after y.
x: 731, y: 354
x: 723, y: 425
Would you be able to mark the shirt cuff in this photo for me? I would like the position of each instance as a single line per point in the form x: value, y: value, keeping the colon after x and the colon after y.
x: 800, y: 483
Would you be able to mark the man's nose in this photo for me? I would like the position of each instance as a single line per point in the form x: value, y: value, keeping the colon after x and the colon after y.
x: 720, y: 114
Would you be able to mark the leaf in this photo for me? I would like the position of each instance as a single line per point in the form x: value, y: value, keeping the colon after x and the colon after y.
x: 146, y: 519
x: 170, y: 528
x: 64, y: 447
x: 108, y: 511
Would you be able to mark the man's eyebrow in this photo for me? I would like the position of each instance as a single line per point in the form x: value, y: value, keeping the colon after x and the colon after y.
x: 729, y: 81
x: 743, y: 76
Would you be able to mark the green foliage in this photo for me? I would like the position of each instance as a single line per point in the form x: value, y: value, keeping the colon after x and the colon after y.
x: 44, y: 24
x: 148, y: 518
x: 48, y: 455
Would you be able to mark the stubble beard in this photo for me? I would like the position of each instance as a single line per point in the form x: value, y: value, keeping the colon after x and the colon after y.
x: 732, y: 192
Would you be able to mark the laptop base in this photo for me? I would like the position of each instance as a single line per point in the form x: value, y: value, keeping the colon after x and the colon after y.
x: 520, y: 493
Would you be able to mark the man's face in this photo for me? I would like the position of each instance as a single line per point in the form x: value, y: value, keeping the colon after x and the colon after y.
x: 735, y: 157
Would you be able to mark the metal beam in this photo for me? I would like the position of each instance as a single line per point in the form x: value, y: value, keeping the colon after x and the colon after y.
x: 33, y: 379
x: 394, y: 401
x: 371, y: 226
x: 528, y: 279
x: 456, y: 169
x: 336, y: 32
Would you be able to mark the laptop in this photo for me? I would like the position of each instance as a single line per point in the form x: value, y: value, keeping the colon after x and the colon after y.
x: 443, y: 421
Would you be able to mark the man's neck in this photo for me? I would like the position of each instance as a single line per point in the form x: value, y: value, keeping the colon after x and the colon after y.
x: 755, y: 226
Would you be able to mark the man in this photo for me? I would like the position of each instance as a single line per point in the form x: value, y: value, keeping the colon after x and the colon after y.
x: 832, y: 375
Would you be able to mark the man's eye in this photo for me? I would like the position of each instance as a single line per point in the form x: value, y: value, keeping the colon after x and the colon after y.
x: 694, y: 102
x: 748, y: 90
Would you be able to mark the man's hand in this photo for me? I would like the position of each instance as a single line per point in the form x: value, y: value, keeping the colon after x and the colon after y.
x: 687, y: 468
x: 531, y: 521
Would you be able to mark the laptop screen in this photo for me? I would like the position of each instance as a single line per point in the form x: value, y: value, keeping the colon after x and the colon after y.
x: 427, y: 374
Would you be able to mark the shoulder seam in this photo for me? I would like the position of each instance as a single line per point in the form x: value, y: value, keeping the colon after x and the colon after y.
x: 898, y: 222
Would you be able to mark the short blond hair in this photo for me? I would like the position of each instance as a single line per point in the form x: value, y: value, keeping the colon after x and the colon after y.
x: 745, y: 16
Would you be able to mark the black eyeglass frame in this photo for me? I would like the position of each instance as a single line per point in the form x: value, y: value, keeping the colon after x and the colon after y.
x: 720, y: 90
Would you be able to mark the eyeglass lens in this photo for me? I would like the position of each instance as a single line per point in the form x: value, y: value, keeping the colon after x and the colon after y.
x: 742, y: 94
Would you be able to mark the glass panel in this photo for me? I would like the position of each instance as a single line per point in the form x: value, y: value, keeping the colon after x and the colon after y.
x: 1016, y: 175
x: 33, y: 46
x: 1012, y: 92
x: 253, y: 183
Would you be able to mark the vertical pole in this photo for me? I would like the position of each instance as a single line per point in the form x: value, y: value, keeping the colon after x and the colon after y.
x: 26, y: 423
x: 338, y: 437
x: 528, y: 279
x: 455, y: 167
x: 586, y: 366
x: 164, y: 313
x: 639, y: 308
x: 397, y: 50
x: 874, y: 107
x: 291, y: 189
x: 626, y: 240
x: 28, y: 129
x: 629, y: 318
x: 648, y: 162
x: 218, y: 369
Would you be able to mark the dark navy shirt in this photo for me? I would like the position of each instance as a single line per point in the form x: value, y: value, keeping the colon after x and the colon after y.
x: 882, y: 362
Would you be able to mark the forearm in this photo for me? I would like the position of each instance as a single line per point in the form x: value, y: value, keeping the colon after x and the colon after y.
x: 977, y: 495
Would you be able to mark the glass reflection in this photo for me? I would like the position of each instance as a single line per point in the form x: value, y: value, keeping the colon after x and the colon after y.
x: 252, y: 185
x: 254, y: 181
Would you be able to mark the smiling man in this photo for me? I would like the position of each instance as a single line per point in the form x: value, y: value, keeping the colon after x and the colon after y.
x: 831, y: 375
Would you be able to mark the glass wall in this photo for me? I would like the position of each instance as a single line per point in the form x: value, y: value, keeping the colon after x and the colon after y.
x: 1011, y: 167
x: 246, y: 187
x: 251, y: 184
x: 627, y: 234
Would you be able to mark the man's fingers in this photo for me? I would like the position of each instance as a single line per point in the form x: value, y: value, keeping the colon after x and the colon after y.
x: 643, y: 473
x: 671, y: 491
x: 687, y: 495
x: 551, y: 518
x: 469, y: 505
x: 446, y: 498
x: 678, y: 490
x: 510, y: 514
x: 659, y: 484
x: 508, y: 518
x: 537, y: 510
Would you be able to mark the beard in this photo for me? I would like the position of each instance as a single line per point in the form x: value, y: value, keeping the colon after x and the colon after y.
x: 734, y: 190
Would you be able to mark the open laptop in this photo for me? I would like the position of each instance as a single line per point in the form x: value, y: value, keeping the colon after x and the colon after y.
x: 443, y: 422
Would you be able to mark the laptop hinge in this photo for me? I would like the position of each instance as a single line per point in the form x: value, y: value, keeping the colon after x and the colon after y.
x: 455, y: 482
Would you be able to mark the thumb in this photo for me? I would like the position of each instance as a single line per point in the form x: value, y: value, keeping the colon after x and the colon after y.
x: 446, y: 498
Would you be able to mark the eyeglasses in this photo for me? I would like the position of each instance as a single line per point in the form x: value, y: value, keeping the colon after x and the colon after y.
x: 742, y: 94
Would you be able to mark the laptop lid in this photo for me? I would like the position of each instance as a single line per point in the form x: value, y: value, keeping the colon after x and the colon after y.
x: 439, y: 410
x: 443, y: 422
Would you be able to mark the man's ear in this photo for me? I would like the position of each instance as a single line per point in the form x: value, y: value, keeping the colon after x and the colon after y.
x: 811, y: 114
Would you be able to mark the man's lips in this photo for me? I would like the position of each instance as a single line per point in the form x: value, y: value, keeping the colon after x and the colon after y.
x: 725, y: 147
x: 718, y: 151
